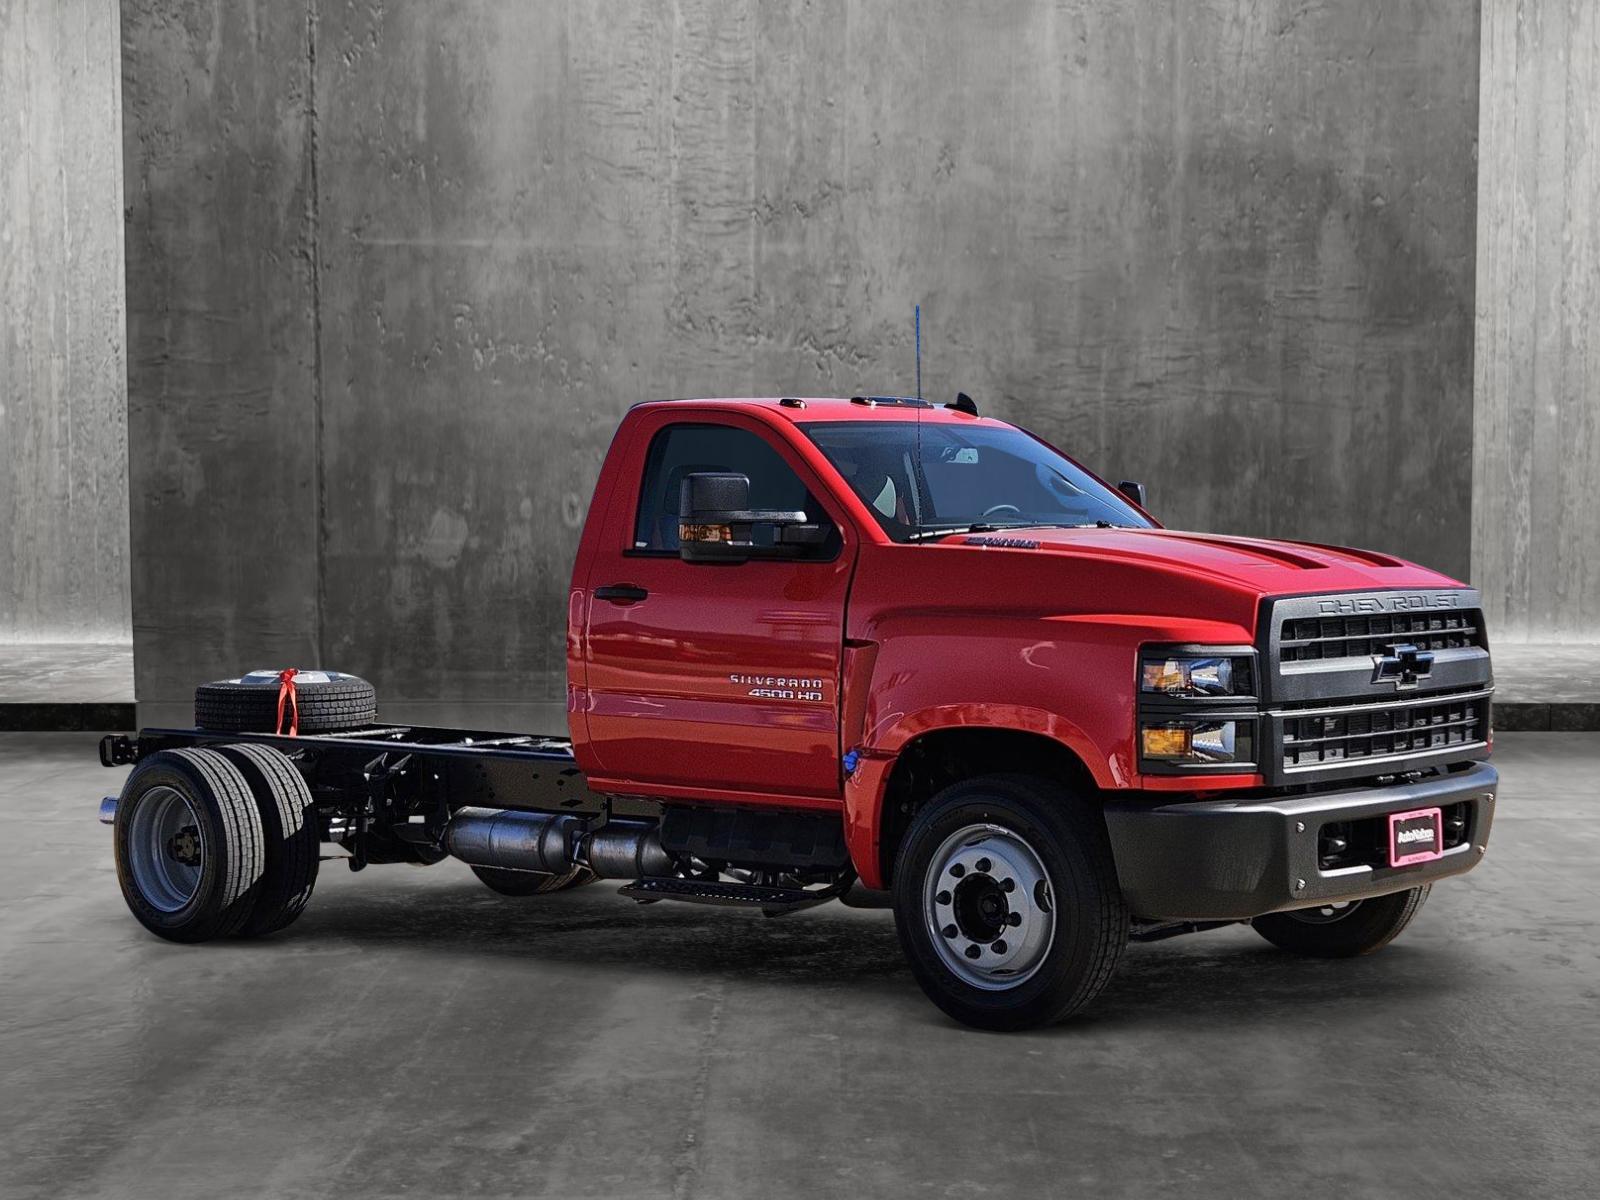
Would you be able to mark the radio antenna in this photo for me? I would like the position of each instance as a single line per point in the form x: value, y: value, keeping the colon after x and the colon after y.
x: 919, y: 351
x: 916, y: 480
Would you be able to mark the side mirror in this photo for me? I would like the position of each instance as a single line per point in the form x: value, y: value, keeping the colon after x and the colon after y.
x: 1133, y: 491
x: 717, y: 525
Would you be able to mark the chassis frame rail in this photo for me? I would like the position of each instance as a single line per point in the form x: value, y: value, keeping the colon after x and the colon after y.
x: 419, y: 740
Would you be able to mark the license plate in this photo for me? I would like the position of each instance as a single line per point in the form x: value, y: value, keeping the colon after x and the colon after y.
x: 1415, y: 837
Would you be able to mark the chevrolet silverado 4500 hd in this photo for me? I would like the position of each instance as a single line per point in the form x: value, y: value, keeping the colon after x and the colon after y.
x: 881, y: 650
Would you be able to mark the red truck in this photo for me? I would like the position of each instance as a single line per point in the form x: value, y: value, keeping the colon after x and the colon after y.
x: 893, y: 653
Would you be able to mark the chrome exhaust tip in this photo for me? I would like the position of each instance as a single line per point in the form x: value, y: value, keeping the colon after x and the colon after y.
x: 108, y: 811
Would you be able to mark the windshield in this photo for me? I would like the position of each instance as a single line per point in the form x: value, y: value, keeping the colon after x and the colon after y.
x: 947, y: 478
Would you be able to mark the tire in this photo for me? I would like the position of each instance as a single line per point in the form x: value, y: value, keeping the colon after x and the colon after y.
x: 1041, y: 954
x: 532, y: 883
x: 293, y: 841
x: 1328, y: 932
x: 189, y: 847
x: 328, y: 702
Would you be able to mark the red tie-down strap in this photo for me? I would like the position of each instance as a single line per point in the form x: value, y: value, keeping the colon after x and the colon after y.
x: 287, y: 696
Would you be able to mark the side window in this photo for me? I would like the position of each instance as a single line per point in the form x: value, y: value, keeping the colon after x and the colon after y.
x: 680, y: 450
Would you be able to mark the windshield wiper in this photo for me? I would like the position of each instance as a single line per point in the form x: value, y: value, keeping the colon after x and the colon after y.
x: 1086, y: 525
x: 923, y: 535
x: 979, y: 527
x: 932, y: 532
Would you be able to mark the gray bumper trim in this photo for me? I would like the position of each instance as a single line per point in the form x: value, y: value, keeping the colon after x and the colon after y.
x: 1233, y: 859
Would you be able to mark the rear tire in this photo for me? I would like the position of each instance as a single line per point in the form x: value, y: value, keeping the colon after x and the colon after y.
x: 532, y: 883
x: 293, y: 841
x: 1007, y: 902
x: 189, y: 846
x: 328, y: 701
x: 1330, y: 931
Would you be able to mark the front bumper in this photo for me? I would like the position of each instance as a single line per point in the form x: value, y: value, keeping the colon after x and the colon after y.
x: 1240, y: 858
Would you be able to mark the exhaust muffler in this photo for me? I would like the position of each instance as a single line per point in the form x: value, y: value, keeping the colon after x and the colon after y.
x: 553, y: 843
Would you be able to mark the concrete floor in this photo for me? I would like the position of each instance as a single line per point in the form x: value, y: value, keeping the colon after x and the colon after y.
x: 416, y: 1034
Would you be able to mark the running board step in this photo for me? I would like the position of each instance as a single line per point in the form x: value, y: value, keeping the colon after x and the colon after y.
x: 774, y: 901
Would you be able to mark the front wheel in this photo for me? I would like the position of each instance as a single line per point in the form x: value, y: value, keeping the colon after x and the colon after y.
x: 1007, y: 902
x: 1342, y: 930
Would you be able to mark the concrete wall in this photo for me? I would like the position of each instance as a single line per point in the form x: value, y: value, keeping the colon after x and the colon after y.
x: 1536, y: 463
x: 223, y: 403
x: 396, y: 271
x: 63, y: 422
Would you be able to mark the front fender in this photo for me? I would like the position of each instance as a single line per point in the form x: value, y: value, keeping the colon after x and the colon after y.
x: 1111, y: 767
x: 1070, y: 678
x: 867, y: 783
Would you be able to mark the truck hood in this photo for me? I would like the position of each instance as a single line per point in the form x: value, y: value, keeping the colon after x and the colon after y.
x: 1254, y: 565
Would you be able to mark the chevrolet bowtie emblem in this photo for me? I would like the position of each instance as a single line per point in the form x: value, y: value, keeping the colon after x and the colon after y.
x: 1402, y: 666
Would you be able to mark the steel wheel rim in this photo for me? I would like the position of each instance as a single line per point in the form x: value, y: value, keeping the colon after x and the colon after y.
x: 166, y: 849
x: 1325, y: 914
x: 989, y: 907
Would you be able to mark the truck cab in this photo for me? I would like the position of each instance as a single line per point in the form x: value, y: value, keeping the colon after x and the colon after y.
x: 880, y: 646
x: 976, y: 586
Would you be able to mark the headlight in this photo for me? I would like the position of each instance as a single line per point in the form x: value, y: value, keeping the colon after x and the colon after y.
x: 1196, y: 675
x: 1197, y: 709
x: 1199, y: 741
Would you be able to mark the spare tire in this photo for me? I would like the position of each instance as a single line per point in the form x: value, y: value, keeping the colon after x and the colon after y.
x: 328, y: 701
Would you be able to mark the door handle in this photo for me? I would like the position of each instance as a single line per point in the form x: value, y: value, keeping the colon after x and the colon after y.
x: 621, y: 593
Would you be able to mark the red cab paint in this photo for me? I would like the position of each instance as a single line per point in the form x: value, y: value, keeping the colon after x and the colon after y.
x: 750, y: 683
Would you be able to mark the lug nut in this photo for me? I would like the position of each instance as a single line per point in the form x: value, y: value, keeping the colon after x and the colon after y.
x: 949, y: 931
x: 957, y: 870
x: 983, y: 865
x: 998, y: 945
x: 1008, y: 885
x: 942, y: 898
x: 973, y: 951
x: 1014, y: 919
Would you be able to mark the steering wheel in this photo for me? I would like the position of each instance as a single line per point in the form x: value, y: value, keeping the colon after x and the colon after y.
x: 997, y: 510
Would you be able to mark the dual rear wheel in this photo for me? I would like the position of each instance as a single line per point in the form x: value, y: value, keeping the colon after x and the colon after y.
x: 224, y: 842
x: 216, y: 843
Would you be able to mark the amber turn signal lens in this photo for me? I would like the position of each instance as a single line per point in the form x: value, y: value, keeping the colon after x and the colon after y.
x: 1163, y: 677
x: 1166, y: 743
x: 704, y: 533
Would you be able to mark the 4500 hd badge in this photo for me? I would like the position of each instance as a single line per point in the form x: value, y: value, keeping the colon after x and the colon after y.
x: 779, y: 687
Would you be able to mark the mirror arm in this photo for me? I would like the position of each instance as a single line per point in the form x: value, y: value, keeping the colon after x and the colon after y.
x: 750, y: 516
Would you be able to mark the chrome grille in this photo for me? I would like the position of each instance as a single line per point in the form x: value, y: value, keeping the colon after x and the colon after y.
x: 1305, y: 638
x: 1382, y: 730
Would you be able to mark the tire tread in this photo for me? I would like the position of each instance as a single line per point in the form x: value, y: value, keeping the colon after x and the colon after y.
x: 293, y: 841
x: 218, y: 787
x: 346, y: 703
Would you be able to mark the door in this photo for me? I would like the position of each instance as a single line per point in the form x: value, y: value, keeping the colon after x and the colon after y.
x: 723, y: 677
